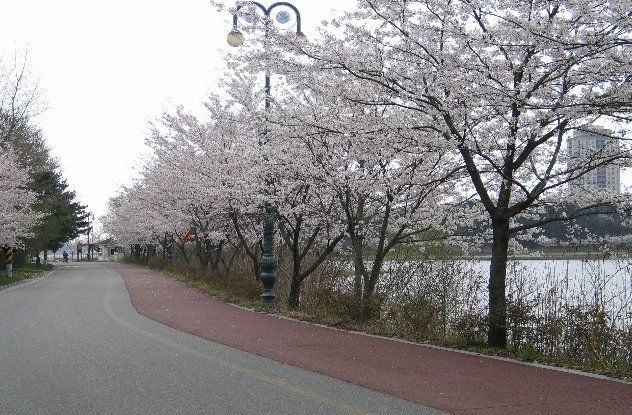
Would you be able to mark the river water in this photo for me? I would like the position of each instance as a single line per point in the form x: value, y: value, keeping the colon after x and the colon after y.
x: 611, y: 275
x: 556, y: 282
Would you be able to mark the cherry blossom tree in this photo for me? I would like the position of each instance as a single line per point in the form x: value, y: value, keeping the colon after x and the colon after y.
x: 195, y: 180
x: 505, y: 84
x: 335, y: 169
x: 248, y: 170
x: 16, y: 216
x: 18, y: 101
x: 385, y: 188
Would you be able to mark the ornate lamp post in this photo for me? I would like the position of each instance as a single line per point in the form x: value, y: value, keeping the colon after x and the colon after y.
x: 235, y: 38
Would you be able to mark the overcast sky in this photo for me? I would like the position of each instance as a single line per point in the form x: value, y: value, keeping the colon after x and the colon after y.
x: 107, y: 68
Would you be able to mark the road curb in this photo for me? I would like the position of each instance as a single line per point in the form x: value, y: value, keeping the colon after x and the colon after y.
x: 437, y: 347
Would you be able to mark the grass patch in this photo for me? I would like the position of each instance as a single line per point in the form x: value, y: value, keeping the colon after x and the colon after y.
x: 240, y: 291
x: 528, y: 353
x: 25, y: 272
x: 246, y: 296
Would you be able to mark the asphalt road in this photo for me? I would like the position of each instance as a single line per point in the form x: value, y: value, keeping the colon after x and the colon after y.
x: 72, y: 343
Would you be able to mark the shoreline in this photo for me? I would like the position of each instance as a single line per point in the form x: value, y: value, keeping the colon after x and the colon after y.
x: 548, y: 256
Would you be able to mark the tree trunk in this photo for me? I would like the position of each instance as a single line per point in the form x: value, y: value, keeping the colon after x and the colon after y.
x: 295, y: 293
x: 252, y: 253
x: 295, y: 287
x: 218, y: 253
x: 256, y: 262
x: 371, y: 280
x: 497, y: 329
x: 183, y: 251
x: 201, y: 251
x: 357, y: 284
x: 358, y: 265
x: 227, y: 265
x: 370, y: 308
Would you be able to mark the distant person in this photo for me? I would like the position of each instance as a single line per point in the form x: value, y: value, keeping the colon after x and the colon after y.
x: 65, y: 255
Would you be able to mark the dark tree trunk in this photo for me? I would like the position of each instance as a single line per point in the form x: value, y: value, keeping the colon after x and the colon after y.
x: 358, y: 265
x: 370, y: 308
x: 253, y: 253
x: 227, y: 265
x: 137, y: 251
x: 215, y: 253
x: 292, y: 241
x: 201, y: 251
x: 357, y: 284
x: 217, y: 257
x: 295, y: 293
x: 497, y: 329
x: 371, y: 282
x: 295, y: 287
x: 145, y: 254
x: 371, y: 279
x: 256, y: 262
x: 183, y: 251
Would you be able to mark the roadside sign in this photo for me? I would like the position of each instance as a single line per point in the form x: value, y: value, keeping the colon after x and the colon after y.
x: 190, y: 236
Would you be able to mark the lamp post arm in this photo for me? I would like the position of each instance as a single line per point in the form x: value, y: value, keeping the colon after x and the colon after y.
x: 291, y: 6
x: 241, y: 4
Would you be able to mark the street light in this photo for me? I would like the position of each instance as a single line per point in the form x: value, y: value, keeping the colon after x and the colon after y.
x: 236, y: 38
x: 269, y: 261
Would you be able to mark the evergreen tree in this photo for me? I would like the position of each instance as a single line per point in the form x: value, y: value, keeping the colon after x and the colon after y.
x: 64, y: 218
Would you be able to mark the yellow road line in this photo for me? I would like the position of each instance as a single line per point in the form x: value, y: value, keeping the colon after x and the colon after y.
x: 351, y: 409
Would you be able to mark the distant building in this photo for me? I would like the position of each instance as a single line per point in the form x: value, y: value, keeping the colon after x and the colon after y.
x: 580, y: 147
x: 107, y: 250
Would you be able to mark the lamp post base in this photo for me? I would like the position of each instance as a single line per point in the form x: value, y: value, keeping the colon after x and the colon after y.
x: 268, y: 299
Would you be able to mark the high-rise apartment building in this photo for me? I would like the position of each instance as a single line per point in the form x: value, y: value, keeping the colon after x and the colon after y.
x: 596, y: 142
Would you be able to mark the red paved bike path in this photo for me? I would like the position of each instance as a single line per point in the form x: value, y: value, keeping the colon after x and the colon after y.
x: 454, y: 382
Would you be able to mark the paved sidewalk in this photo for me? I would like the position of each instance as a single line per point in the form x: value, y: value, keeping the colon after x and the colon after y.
x: 454, y: 382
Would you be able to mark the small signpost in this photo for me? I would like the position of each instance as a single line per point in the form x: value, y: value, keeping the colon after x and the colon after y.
x: 190, y: 236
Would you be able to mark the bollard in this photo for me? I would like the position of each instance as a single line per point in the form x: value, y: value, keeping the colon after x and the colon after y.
x: 9, y: 254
